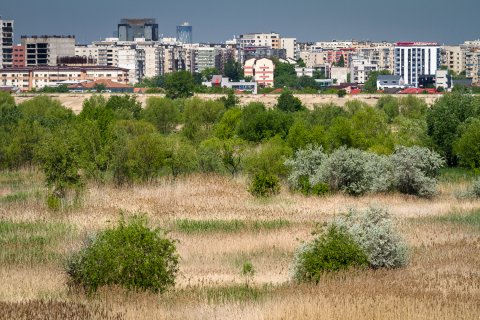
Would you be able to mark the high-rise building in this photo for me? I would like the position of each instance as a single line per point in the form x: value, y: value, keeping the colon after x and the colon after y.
x: 416, y: 60
x: 46, y: 50
x: 185, y: 33
x: 131, y: 29
x: 271, y: 40
x: 6, y: 43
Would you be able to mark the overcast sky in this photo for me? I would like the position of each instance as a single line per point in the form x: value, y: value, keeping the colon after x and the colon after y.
x: 444, y: 21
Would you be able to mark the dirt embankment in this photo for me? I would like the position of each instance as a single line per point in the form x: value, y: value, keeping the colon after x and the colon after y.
x: 75, y: 101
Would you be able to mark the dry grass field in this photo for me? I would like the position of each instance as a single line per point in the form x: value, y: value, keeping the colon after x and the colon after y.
x: 219, y: 227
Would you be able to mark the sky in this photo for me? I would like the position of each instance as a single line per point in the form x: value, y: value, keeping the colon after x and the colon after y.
x: 443, y: 21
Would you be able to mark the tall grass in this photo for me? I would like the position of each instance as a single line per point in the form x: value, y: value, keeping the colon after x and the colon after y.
x: 190, y: 226
x: 31, y: 242
x: 471, y: 218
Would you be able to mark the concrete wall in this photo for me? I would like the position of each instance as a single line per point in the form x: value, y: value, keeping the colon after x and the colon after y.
x: 75, y: 101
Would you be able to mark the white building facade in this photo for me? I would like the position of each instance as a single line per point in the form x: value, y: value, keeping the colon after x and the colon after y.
x: 6, y: 43
x: 415, y: 59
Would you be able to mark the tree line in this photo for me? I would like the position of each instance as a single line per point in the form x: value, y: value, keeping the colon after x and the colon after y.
x: 117, y: 141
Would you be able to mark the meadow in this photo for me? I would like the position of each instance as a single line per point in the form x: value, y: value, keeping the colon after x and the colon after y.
x: 220, y: 227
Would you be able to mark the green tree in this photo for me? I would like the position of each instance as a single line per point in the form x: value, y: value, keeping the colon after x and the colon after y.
x: 200, y: 117
x: 100, y: 87
x: 233, y: 70
x: 161, y: 112
x: 444, y: 119
x: 341, y: 62
x: 258, y: 124
x: 370, y: 85
x: 232, y: 152
x: 180, y: 156
x: 208, y: 73
x: 301, y: 63
x: 230, y: 101
x: 124, y: 107
x: 390, y: 105
x: 179, y: 85
x: 301, y: 135
x: 467, y: 146
x: 269, y: 158
x: 226, y: 128
x: 287, y: 102
x: 49, y: 113
x: 285, y: 75
x: 145, y: 157
x: 58, y: 158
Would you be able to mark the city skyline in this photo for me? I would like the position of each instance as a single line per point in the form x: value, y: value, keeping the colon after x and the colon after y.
x: 368, y: 20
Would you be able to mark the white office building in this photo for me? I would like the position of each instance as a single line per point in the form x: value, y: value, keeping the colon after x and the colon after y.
x: 416, y: 59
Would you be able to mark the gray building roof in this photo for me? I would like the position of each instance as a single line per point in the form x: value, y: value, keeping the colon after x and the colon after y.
x: 389, y: 80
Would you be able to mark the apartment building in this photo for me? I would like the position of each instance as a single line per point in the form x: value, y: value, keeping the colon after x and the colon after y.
x: 261, y: 70
x: 453, y: 57
x: 46, y: 50
x: 416, y: 59
x: 290, y: 47
x: 472, y: 65
x: 271, y: 40
x: 87, y: 52
x: 29, y: 78
x: 206, y: 57
x: 360, y: 69
x: 18, y: 56
x: 6, y: 43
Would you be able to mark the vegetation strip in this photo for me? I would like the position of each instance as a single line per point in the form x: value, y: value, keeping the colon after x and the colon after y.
x: 190, y: 226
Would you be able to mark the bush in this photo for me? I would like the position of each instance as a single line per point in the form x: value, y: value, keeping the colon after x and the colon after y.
x: 353, y: 171
x: 304, y: 165
x: 335, y: 250
x: 374, y: 232
x: 476, y: 188
x: 130, y: 255
x: 264, y: 185
x: 415, y: 170
x: 467, y: 146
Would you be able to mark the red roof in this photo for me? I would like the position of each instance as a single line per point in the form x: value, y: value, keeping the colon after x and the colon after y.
x: 418, y: 91
x: 109, y: 84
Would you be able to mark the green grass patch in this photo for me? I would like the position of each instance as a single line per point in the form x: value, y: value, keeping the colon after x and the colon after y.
x: 234, y: 293
x: 31, y: 242
x: 190, y: 226
x: 15, y: 197
x: 457, y: 175
x: 469, y: 219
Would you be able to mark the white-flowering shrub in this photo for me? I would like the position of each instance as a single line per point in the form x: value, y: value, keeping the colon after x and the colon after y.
x: 354, y: 171
x: 415, y: 170
x: 304, y: 165
x: 476, y: 188
x: 374, y: 231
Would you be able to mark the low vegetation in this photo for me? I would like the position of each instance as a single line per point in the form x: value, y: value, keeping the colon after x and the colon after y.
x: 382, y: 180
x: 130, y: 255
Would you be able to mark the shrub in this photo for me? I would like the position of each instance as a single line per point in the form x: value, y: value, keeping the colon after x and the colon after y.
x: 415, y: 170
x: 476, y: 188
x: 130, y: 255
x: 305, y: 164
x: 353, y: 171
x: 341, y: 93
x: 374, y: 232
x: 334, y: 250
x: 264, y: 185
x: 269, y: 157
x: 467, y: 146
